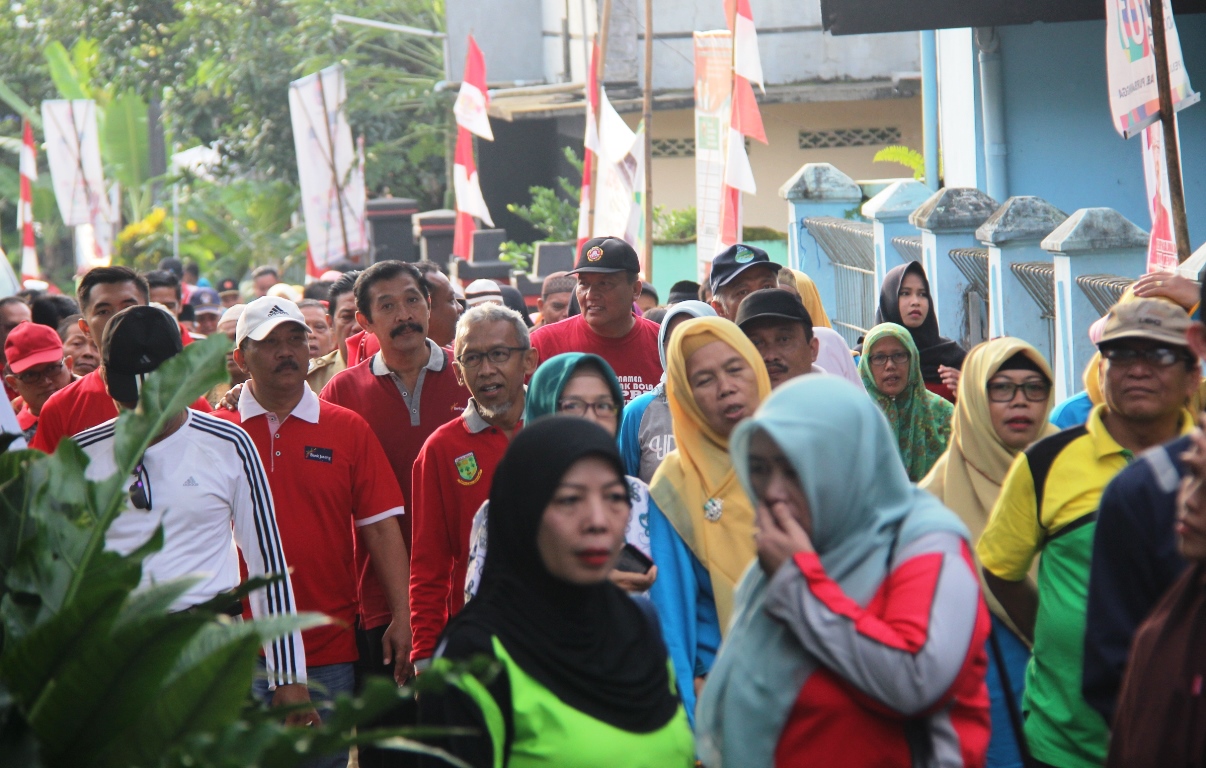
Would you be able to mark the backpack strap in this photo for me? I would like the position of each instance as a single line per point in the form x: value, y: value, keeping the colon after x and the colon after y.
x: 1041, y: 456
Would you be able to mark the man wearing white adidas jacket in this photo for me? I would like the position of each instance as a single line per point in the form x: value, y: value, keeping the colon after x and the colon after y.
x: 200, y: 479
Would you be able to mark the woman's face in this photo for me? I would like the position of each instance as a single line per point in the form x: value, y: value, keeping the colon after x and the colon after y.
x: 914, y: 301
x: 723, y: 384
x: 1016, y: 418
x: 588, y: 396
x: 582, y: 530
x: 889, y: 366
x: 775, y: 481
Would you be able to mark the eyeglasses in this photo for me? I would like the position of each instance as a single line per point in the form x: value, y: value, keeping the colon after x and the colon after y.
x: 46, y: 374
x: 140, y: 490
x: 1004, y: 391
x: 575, y: 407
x: 498, y: 356
x: 897, y: 358
x: 1159, y: 357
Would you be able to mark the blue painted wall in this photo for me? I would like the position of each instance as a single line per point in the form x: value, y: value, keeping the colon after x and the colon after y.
x: 1062, y: 142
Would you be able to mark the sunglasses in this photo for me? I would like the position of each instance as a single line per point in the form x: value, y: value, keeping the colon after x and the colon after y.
x: 140, y: 490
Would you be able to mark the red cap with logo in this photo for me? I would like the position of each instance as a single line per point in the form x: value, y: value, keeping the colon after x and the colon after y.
x: 31, y: 344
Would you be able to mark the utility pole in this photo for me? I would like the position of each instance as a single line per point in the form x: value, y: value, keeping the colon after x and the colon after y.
x: 1168, y: 120
x: 648, y: 118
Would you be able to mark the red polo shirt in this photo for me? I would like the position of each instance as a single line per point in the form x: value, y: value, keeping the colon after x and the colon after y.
x: 82, y: 404
x: 373, y: 392
x: 452, y: 478
x: 632, y: 356
x: 327, y: 473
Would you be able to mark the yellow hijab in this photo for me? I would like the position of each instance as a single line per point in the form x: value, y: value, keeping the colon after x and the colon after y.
x: 698, y: 473
x: 968, y: 476
x: 811, y: 298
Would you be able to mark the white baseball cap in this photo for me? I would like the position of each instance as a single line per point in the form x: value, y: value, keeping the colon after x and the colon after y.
x: 264, y: 314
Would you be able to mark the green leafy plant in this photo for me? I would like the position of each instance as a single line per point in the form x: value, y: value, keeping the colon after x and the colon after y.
x: 909, y: 158
x: 94, y: 671
x: 674, y: 226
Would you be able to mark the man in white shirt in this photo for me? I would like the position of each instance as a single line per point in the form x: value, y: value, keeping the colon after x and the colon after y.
x: 202, y: 480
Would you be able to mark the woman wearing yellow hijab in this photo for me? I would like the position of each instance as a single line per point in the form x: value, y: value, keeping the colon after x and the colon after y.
x: 714, y: 379
x: 1002, y: 407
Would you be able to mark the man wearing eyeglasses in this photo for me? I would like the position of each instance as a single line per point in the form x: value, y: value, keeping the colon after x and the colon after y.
x: 452, y: 475
x: 202, y: 480
x: 1049, y: 503
x: 37, y: 368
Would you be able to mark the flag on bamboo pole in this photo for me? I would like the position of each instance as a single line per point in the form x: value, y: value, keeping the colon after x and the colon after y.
x: 590, y: 147
x: 747, y: 62
x: 744, y: 121
x: 471, y: 120
x: 28, y: 166
x: 615, y: 182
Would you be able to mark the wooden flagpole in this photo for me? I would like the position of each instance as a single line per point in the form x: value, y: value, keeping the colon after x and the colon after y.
x: 648, y: 117
x: 1172, y: 150
x: 604, y: 24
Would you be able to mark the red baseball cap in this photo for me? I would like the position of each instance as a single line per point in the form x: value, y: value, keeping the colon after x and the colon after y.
x: 31, y: 344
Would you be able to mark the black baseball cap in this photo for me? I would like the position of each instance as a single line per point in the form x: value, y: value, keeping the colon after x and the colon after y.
x: 229, y: 285
x: 735, y: 260
x: 772, y: 303
x: 607, y: 254
x: 683, y: 290
x: 137, y: 341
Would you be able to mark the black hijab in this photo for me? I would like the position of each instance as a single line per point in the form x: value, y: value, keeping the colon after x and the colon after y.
x: 935, y: 350
x: 590, y: 646
x: 514, y: 299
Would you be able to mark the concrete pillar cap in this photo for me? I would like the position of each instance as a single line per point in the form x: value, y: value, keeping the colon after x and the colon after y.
x: 1024, y: 217
x: 821, y: 181
x: 1095, y: 229
x: 954, y: 209
x: 897, y: 200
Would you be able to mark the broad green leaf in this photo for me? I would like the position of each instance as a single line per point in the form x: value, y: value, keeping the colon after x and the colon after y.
x: 221, y: 633
x: 10, y: 97
x: 125, y: 144
x: 63, y: 72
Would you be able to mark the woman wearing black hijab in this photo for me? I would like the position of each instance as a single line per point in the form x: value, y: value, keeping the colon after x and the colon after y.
x: 905, y: 299
x: 584, y: 678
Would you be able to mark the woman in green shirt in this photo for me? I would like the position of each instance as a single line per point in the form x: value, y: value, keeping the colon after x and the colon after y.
x: 584, y: 678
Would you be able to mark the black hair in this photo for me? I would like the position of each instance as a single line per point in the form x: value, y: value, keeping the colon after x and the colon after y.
x: 66, y: 324
x: 51, y: 309
x: 345, y: 284
x: 647, y: 287
x: 163, y: 278
x: 656, y: 315
x: 319, y: 290
x: 109, y: 276
x: 385, y: 270
x: 173, y: 265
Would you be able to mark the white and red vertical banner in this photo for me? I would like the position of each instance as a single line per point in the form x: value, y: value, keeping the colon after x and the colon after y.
x: 471, y: 120
x: 744, y: 122
x: 28, y: 167
x: 590, y: 147
x: 1162, y: 247
x: 73, y: 155
x: 616, y: 180
x: 713, y: 110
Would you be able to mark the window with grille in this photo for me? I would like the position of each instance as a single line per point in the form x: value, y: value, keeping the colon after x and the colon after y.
x: 849, y: 137
x: 674, y: 147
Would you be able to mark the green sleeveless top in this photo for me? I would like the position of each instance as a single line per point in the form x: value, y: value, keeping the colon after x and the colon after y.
x: 549, y: 732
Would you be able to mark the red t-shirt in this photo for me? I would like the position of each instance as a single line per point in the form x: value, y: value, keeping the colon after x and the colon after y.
x: 80, y: 405
x: 26, y: 420
x: 633, y: 356
x: 361, y: 346
x: 377, y: 399
x: 452, y: 478
x: 328, y: 474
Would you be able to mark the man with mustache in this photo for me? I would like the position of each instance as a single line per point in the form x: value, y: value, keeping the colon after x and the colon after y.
x: 405, y: 392
x: 453, y: 472
x: 1050, y: 503
x: 328, y: 474
x: 781, y: 330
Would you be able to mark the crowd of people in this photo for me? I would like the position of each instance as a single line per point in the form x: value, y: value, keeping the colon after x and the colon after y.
x: 700, y: 532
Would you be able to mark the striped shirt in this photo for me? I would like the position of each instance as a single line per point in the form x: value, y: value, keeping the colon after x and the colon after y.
x: 205, y: 481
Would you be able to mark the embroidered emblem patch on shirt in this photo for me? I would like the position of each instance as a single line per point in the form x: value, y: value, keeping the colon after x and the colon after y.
x: 320, y: 454
x: 467, y: 468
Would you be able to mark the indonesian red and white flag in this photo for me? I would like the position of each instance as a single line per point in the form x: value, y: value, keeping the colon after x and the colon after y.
x: 590, y: 147
x: 471, y: 120
x: 747, y: 62
x: 28, y: 165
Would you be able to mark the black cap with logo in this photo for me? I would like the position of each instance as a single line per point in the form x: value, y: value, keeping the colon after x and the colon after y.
x: 229, y: 285
x: 137, y: 341
x: 772, y: 303
x: 735, y: 260
x: 607, y: 254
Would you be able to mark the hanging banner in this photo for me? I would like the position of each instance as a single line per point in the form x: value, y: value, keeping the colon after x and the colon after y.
x: 618, y: 168
x: 328, y: 169
x: 73, y: 154
x: 713, y: 95
x: 1131, y: 65
x: 1162, y: 248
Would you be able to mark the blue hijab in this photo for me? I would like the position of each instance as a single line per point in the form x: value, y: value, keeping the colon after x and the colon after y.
x: 863, y: 509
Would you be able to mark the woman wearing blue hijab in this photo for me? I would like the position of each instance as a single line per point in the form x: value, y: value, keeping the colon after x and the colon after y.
x: 858, y: 636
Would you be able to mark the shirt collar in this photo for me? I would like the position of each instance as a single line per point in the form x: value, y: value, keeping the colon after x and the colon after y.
x: 306, y: 408
x: 435, y: 360
x: 474, y: 421
x: 1104, y: 443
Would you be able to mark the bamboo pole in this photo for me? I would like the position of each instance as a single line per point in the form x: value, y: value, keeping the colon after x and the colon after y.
x: 648, y: 118
x: 1168, y: 120
x: 604, y: 24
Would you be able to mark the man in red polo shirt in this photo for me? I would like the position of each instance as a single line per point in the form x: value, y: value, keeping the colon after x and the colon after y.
x: 608, y: 284
x: 36, y: 369
x: 328, y: 474
x: 103, y: 292
x: 453, y: 472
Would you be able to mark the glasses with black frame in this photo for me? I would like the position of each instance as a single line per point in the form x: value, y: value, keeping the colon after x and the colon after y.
x: 140, y: 489
x: 1035, y: 390
x: 498, y: 356
x: 880, y: 360
x: 1157, y: 357
x: 603, y: 409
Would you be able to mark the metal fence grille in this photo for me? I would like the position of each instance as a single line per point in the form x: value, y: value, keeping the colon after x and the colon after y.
x: 850, y: 246
x: 1038, y: 278
x: 1103, y: 291
x: 973, y: 263
x: 908, y: 246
